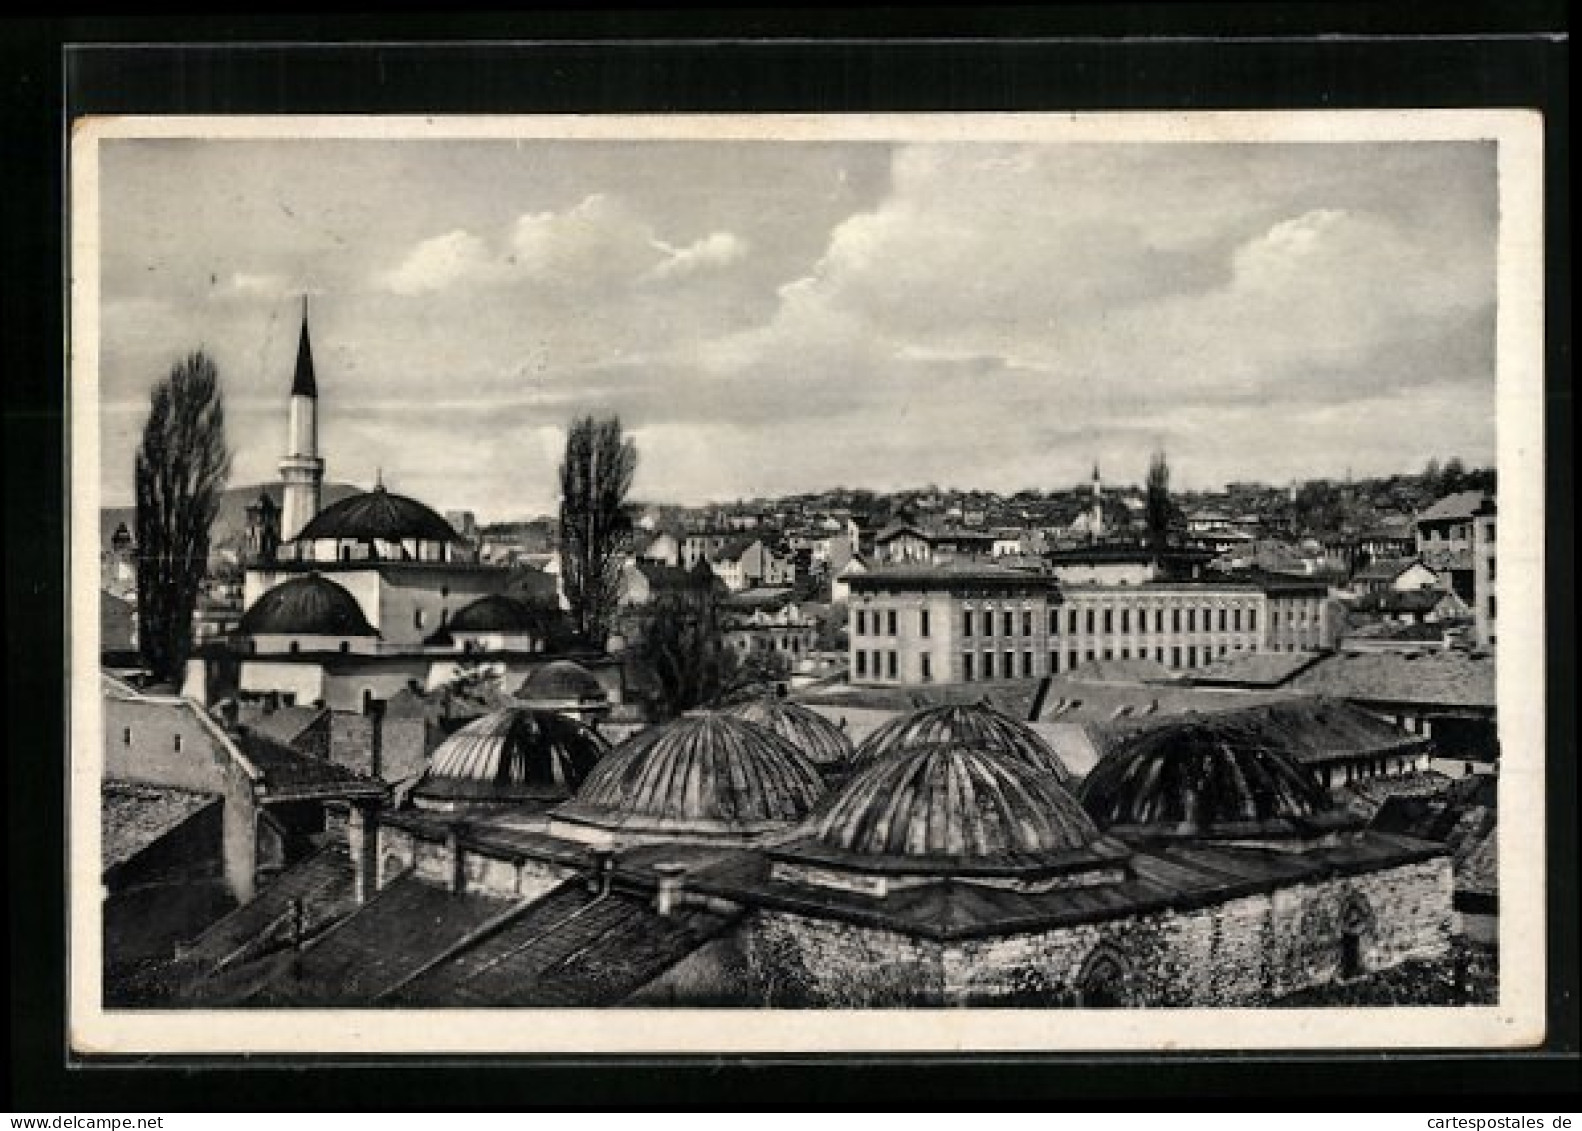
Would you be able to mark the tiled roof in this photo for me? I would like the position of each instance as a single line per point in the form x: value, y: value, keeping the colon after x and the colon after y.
x: 1131, y: 671
x: 135, y: 816
x: 283, y: 724
x: 1254, y: 669
x: 1441, y: 678
x: 1405, y: 601
x: 391, y: 937
x: 1461, y: 505
x: 288, y: 772
x: 569, y: 948
x: 1385, y: 569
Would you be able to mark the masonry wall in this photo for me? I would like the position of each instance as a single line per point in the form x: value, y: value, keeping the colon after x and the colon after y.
x: 400, y: 850
x: 1245, y: 951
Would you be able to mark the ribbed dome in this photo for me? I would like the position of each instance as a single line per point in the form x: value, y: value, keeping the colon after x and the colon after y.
x: 973, y: 724
x: 378, y: 514
x: 497, y: 614
x: 562, y: 681
x: 1207, y: 776
x: 306, y: 606
x: 824, y: 743
x: 951, y: 804
x: 701, y: 775
x: 512, y: 755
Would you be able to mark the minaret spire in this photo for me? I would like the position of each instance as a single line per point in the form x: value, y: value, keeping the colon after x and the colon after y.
x: 302, y: 471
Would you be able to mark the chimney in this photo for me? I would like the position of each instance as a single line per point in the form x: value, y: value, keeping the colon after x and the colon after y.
x: 457, y: 861
x: 362, y: 845
x: 671, y: 887
x: 603, y: 864
x: 229, y: 711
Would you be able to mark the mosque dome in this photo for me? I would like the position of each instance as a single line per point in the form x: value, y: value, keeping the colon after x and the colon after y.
x: 378, y: 515
x: 971, y: 724
x: 1206, y: 777
x: 704, y: 775
x: 511, y: 756
x: 306, y: 606
x: 823, y: 743
x: 564, y: 684
x: 952, y: 808
x: 497, y: 613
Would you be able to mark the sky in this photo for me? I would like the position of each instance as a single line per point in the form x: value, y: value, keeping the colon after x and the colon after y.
x: 771, y: 317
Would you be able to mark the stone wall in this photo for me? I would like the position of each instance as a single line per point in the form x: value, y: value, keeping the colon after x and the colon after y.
x: 401, y: 850
x: 353, y: 741
x: 795, y: 960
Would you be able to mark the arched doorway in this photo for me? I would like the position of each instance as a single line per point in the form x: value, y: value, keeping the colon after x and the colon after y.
x: 1105, y: 980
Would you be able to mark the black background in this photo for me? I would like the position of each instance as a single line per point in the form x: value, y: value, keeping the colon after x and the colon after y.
x: 1076, y: 57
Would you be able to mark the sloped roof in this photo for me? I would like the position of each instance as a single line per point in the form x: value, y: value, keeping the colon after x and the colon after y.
x: 1451, y: 508
x: 287, y: 772
x: 1439, y: 678
x: 1385, y: 569
x: 1129, y: 671
x: 135, y: 816
x: 1254, y: 669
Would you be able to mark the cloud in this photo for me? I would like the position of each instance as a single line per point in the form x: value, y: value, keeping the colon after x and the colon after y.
x: 713, y: 251
x: 457, y: 257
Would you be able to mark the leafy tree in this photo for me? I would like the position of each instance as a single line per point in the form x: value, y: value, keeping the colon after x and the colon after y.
x: 681, y: 647
x: 1158, y: 510
x: 180, y: 472
x: 595, y: 521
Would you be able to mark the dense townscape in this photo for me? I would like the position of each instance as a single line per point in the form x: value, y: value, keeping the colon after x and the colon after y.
x: 1100, y: 744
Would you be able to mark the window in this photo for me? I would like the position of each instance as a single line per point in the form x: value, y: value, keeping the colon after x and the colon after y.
x: 862, y: 623
x: 346, y: 645
x: 1071, y: 658
x: 1175, y: 620
x: 1054, y: 663
x: 922, y: 622
x: 1071, y: 622
x: 928, y: 667
x: 890, y: 622
x: 1175, y: 657
x: 966, y: 666
x: 1008, y: 624
x: 1126, y: 653
x: 988, y: 623
x: 176, y: 744
x: 296, y: 646
x: 1027, y: 665
x: 1109, y: 621
x: 1159, y: 620
x: 966, y: 623
x: 1236, y: 618
x: 1126, y: 620
x: 1092, y: 620
x: 1222, y: 619
x: 418, y: 618
x: 1142, y: 621
x: 890, y: 667
x: 1252, y: 620
x: 1008, y: 666
x: 1027, y: 624
x: 862, y: 664
x: 126, y: 736
x: 1192, y: 657
x: 1191, y: 620
x: 1054, y: 622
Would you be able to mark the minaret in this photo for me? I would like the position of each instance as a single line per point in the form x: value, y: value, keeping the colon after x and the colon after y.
x: 302, y: 471
x: 1098, y: 504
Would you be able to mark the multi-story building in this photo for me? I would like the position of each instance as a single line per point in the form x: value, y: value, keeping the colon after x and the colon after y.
x: 1484, y: 607
x: 913, y: 626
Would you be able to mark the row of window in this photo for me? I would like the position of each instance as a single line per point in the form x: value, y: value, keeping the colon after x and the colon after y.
x: 126, y: 739
x: 884, y: 622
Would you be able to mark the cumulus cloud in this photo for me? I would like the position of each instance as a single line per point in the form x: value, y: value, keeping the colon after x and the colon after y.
x: 713, y: 251
x: 457, y: 257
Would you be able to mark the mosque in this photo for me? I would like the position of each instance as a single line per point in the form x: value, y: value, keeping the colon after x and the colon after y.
x: 348, y: 606
x: 950, y: 859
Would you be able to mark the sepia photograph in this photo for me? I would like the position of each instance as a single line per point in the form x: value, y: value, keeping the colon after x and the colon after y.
x: 807, y: 583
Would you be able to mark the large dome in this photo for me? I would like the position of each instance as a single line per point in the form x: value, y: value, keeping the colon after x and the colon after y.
x: 972, y: 724
x: 380, y: 515
x: 306, y: 606
x: 562, y: 683
x: 949, y: 807
x: 497, y: 613
x: 1206, y: 777
x: 509, y: 756
x: 703, y: 775
x: 824, y: 743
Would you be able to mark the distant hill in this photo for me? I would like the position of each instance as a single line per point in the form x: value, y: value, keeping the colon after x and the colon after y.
x: 231, y: 523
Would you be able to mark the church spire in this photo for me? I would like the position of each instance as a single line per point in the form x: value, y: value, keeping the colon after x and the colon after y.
x: 303, y: 383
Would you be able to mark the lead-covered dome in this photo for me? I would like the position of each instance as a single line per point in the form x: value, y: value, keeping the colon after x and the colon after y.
x: 497, y: 613
x: 1206, y: 777
x: 511, y: 756
x: 975, y: 724
x: 954, y: 809
x: 824, y: 743
x: 701, y: 776
x: 562, y: 684
x: 378, y: 515
x: 306, y: 606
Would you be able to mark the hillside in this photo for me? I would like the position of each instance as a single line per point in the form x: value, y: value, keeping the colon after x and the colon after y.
x: 231, y: 522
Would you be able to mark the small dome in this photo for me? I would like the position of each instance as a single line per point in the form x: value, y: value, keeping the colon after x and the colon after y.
x: 562, y: 682
x: 306, y: 606
x: 380, y: 515
x: 824, y: 743
x: 1205, y: 777
x: 947, y: 806
x: 703, y: 775
x: 972, y: 724
x: 497, y: 614
x: 509, y: 756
